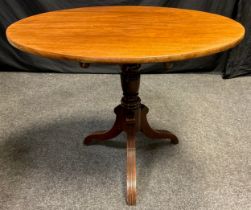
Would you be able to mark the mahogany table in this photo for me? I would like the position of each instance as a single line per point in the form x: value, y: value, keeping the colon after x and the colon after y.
x: 128, y: 36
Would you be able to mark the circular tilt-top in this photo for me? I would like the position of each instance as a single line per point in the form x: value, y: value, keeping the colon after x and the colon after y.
x: 125, y: 34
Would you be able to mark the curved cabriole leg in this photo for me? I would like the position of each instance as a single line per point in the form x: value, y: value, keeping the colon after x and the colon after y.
x: 113, y: 132
x: 131, y: 166
x: 154, y: 134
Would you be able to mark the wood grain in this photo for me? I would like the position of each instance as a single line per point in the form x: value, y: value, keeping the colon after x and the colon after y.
x: 125, y: 34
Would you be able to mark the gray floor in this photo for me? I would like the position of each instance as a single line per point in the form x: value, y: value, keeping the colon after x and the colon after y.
x: 43, y: 164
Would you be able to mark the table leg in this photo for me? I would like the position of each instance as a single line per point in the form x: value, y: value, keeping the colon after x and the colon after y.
x: 154, y: 134
x: 131, y: 161
x: 113, y: 132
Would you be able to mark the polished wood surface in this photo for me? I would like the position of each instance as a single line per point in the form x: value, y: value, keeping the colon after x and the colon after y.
x: 125, y: 34
x: 130, y: 118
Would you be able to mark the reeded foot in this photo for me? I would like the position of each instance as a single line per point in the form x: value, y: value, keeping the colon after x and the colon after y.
x: 131, y: 167
x: 105, y: 135
x: 155, y: 134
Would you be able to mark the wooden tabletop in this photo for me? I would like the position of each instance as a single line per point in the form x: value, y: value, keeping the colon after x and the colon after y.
x: 125, y: 34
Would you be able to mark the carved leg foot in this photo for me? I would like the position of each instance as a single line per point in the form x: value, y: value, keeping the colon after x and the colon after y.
x: 155, y: 134
x: 131, y: 167
x: 113, y: 132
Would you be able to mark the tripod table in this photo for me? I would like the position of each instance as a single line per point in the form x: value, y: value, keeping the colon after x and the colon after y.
x: 127, y: 36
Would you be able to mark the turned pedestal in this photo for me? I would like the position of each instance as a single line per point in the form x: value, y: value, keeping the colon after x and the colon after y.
x: 130, y: 118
